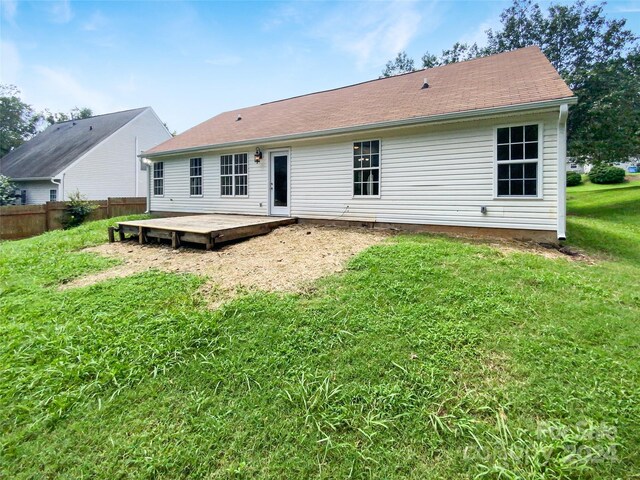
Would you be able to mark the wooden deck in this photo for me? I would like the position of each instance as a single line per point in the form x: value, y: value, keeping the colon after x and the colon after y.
x: 203, y: 229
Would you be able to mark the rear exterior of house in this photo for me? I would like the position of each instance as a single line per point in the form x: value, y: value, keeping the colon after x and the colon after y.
x: 489, y: 166
x: 96, y: 156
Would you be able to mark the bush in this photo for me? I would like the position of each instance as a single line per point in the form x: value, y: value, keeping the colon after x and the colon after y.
x: 77, y: 210
x: 606, y: 174
x: 573, y: 179
x: 7, y: 190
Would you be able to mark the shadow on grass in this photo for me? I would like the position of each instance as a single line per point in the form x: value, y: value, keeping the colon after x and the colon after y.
x: 604, y: 240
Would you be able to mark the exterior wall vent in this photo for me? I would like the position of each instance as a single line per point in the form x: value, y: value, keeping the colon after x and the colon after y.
x: 425, y: 83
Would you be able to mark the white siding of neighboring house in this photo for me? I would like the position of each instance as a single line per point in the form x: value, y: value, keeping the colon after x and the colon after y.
x: 37, y: 191
x: 438, y: 174
x: 112, y: 168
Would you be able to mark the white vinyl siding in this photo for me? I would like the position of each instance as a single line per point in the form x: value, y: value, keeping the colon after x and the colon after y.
x: 176, y: 197
x: 112, y: 168
x: 38, y: 191
x: 429, y: 174
x: 439, y: 175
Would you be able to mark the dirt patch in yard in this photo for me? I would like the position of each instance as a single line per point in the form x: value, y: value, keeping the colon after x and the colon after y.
x: 287, y: 259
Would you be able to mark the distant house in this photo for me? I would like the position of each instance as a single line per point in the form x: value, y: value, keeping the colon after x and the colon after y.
x: 96, y: 156
x: 480, y: 143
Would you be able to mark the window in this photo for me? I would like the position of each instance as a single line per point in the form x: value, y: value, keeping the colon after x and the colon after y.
x: 518, y: 158
x: 195, y: 176
x: 23, y: 197
x: 366, y: 168
x: 234, y: 175
x: 53, y: 195
x: 158, y: 178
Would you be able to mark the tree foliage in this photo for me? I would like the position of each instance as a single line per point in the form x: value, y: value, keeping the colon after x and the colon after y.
x: 596, y: 56
x: 18, y: 120
x: 401, y: 64
x: 74, y: 114
x: 7, y: 190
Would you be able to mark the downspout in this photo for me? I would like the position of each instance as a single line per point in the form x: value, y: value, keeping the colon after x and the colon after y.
x: 562, y: 182
x: 136, y: 165
x: 149, y: 165
x: 58, y: 182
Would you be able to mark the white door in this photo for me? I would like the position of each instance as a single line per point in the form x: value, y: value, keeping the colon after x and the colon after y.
x: 279, y: 183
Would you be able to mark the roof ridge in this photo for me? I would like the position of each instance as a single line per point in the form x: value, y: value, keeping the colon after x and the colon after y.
x: 99, y: 115
x: 385, y: 78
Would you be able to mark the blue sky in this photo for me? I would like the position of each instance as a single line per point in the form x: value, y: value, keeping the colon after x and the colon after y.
x: 192, y: 60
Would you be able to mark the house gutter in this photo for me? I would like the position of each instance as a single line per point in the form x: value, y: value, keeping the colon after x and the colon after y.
x: 358, y: 128
x: 58, y: 182
x: 562, y: 182
x: 31, y: 179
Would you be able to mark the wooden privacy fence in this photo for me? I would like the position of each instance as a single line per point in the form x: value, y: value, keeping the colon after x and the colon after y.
x: 22, y: 221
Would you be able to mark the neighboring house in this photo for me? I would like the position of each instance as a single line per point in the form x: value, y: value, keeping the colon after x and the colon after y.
x: 631, y: 166
x: 480, y: 143
x: 96, y: 156
x: 580, y: 168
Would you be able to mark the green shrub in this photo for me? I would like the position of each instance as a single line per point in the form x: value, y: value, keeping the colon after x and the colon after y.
x: 573, y: 179
x: 606, y: 174
x: 77, y: 210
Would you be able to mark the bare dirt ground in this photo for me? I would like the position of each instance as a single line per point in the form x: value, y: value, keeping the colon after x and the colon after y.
x: 287, y: 259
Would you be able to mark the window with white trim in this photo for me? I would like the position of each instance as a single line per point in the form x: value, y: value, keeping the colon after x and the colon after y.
x: 366, y: 168
x: 234, y: 175
x: 158, y: 179
x: 53, y: 195
x: 518, y: 158
x: 195, y: 176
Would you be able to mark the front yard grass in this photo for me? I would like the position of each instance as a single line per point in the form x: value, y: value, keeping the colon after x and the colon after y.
x: 429, y: 357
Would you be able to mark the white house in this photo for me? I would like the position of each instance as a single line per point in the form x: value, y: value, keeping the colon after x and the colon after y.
x: 480, y: 143
x: 97, y: 156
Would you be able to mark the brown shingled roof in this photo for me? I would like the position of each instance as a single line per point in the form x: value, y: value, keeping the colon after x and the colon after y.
x: 513, y: 78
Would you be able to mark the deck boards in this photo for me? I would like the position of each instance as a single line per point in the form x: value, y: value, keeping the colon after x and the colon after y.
x: 205, y: 229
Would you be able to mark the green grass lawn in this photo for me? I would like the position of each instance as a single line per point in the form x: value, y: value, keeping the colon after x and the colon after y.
x: 429, y: 357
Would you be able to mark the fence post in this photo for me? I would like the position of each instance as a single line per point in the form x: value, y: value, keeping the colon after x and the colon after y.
x: 46, y: 216
x: 108, y: 207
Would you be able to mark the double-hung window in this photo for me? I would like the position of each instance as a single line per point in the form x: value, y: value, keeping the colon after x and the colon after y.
x: 366, y: 168
x: 53, y: 195
x: 195, y: 176
x: 158, y: 179
x: 518, y: 161
x: 234, y: 175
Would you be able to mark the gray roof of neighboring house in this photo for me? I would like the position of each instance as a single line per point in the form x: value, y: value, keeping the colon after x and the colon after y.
x: 54, y: 149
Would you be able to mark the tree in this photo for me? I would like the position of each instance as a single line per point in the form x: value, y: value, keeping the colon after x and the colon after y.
x: 401, y: 64
x: 606, y: 122
x: 7, y: 190
x: 75, y: 114
x: 596, y: 56
x: 18, y: 120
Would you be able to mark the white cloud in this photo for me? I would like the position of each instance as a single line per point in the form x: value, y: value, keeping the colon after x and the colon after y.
x: 95, y: 22
x: 11, y: 64
x: 224, y: 60
x: 371, y: 30
x: 60, y: 11
x: 479, y: 35
x: 9, y: 9
x: 63, y: 88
